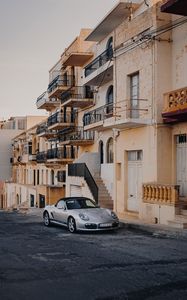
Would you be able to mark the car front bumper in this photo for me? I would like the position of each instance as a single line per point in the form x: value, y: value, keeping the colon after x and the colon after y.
x: 91, y: 226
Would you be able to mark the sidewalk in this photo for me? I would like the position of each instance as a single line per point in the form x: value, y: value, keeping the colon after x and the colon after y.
x: 154, y: 229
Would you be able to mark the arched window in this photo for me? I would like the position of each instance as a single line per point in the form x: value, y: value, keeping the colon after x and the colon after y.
x: 110, y: 153
x: 101, y: 152
x: 109, y: 100
x: 109, y: 47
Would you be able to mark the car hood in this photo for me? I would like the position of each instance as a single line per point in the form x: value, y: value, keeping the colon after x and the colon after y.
x: 95, y: 214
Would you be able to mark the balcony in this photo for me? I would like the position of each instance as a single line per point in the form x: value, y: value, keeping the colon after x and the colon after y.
x: 100, y: 69
x: 164, y: 194
x: 43, y: 102
x: 61, y: 120
x: 77, y: 58
x: 178, y: 7
x: 129, y: 113
x: 124, y: 114
x: 43, y: 131
x: 95, y: 119
x: 79, y: 97
x: 60, y: 155
x: 78, y: 137
x: 41, y: 157
x: 60, y: 84
x: 175, y: 106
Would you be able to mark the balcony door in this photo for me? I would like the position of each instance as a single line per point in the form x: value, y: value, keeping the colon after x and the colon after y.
x: 134, y: 96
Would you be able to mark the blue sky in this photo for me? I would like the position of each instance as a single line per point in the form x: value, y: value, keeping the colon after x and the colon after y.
x: 33, y: 34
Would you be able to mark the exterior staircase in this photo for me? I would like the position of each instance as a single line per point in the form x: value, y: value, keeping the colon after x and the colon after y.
x: 105, y: 199
x: 180, y: 220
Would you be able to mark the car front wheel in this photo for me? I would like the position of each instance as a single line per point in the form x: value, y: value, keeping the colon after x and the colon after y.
x: 71, y: 225
x: 46, y: 219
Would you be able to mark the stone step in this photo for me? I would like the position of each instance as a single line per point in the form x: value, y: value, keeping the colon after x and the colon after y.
x: 177, y: 224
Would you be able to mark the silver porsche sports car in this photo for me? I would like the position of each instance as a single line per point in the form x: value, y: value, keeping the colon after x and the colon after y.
x: 80, y: 213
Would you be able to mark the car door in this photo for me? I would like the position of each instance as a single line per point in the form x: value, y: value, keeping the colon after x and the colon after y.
x: 60, y: 212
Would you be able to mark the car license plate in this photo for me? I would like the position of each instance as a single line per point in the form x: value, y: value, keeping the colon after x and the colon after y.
x: 103, y: 225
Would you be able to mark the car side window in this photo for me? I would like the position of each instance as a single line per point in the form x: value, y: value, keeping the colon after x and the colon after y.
x: 61, y: 204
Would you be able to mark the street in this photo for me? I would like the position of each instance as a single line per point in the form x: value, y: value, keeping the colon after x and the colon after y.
x: 37, y: 262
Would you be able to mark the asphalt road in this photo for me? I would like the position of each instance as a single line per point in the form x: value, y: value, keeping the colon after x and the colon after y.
x: 37, y: 262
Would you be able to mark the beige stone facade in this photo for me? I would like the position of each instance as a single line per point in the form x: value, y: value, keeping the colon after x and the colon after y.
x: 116, y: 130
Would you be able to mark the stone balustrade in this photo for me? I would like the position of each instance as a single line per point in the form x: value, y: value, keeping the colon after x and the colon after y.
x: 161, y: 194
x: 175, y: 100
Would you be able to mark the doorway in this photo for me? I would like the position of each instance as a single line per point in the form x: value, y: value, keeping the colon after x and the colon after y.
x: 134, y: 180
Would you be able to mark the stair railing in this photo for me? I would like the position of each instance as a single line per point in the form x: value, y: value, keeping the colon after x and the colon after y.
x: 81, y: 170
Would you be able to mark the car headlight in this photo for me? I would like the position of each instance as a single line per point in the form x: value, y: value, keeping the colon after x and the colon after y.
x: 83, y: 217
x: 113, y: 215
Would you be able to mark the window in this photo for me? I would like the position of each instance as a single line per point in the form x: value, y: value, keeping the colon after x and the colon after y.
x: 110, y: 154
x: 109, y: 46
x: 109, y: 100
x: 38, y: 177
x: 61, y: 204
x: 134, y: 95
x: 101, y: 152
x: 135, y: 155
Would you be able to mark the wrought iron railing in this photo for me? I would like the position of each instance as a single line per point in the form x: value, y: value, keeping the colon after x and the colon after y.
x: 61, y: 117
x: 41, y: 157
x: 61, y: 153
x: 78, y: 92
x: 99, y: 61
x: 81, y: 170
x: 98, y: 114
x: 61, y: 80
x: 41, y: 128
x: 77, y: 133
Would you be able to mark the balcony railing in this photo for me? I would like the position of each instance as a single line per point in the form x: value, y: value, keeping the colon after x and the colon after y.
x: 81, y: 170
x: 41, y: 157
x: 77, y: 94
x: 78, y: 137
x: 126, y: 113
x: 98, y: 114
x: 175, y: 105
x: 43, y: 101
x: 99, y: 61
x: 61, y: 153
x: 42, y: 130
x: 60, y: 81
x: 61, y: 117
x: 161, y: 194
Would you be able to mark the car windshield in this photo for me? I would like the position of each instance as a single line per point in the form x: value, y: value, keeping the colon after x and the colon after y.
x: 81, y: 203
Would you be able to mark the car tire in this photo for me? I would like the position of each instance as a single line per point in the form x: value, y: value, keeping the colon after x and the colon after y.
x: 46, y: 219
x: 71, y: 225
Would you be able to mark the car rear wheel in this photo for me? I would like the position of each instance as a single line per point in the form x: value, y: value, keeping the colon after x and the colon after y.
x: 46, y: 219
x: 71, y: 225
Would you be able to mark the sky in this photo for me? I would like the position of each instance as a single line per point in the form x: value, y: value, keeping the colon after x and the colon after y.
x: 33, y: 35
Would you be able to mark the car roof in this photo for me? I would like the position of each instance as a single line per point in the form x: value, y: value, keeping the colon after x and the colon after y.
x: 74, y: 198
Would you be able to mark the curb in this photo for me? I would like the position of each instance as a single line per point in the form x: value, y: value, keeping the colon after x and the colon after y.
x: 156, y: 230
